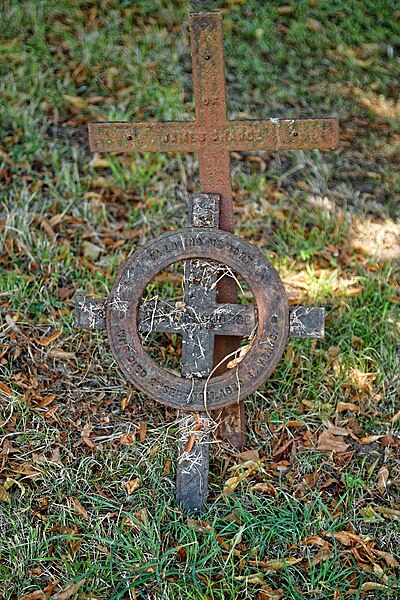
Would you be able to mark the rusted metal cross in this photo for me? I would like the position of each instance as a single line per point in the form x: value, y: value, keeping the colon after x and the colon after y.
x: 213, y: 136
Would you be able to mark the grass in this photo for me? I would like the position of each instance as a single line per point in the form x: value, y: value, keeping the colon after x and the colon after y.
x: 74, y: 434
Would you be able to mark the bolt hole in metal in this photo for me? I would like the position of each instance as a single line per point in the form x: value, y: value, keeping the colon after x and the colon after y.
x: 165, y: 307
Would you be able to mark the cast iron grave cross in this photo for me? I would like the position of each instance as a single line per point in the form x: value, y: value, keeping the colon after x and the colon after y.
x: 212, y: 136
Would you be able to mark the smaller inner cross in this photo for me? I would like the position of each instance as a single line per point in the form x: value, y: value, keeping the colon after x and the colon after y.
x: 199, y: 318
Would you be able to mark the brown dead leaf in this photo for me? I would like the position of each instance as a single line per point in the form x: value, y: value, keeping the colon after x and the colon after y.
x: 284, y: 10
x: 248, y: 455
x: 267, y: 593
x: 37, y: 595
x: 49, y: 589
x: 289, y: 424
x: 99, y: 162
x: 127, y: 439
x: 387, y: 557
x: 232, y: 483
x: 256, y: 579
x: 390, y: 513
x: 342, y: 406
x: 280, y: 563
x: 45, y: 402
x: 142, y: 431
x: 265, y: 488
x: 190, y: 443
x: 132, y: 485
x: 61, y: 354
x: 200, y: 526
x: 325, y: 548
x: 383, y: 476
x: 4, y: 495
x: 369, y: 439
x: 362, y: 380
x: 75, y: 101
x: 78, y: 508
x: 242, y: 353
x: 314, y: 540
x: 396, y: 418
x: 314, y: 25
x: 69, y: 591
x: 88, y: 442
x: 48, y: 228
x: 372, y: 585
x: 124, y: 403
x: 167, y: 468
x: 4, y: 388
x: 327, y: 442
x: 49, y: 339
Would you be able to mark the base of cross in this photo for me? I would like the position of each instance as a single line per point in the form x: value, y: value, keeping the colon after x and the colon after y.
x: 213, y: 319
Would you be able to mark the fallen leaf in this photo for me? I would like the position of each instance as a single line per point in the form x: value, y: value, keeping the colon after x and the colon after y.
x: 124, y: 402
x: 248, y: 455
x: 167, y: 467
x: 387, y: 557
x: 372, y: 585
x: 383, y: 476
x: 313, y: 540
x: 342, y: 406
x: 314, y: 25
x: 242, y: 353
x: 127, y: 439
x: 232, y: 483
x: 4, y: 388
x: 325, y: 548
x: 370, y: 439
x: 37, y: 595
x: 132, y: 485
x: 391, y: 513
x: 45, y: 402
x: 200, y: 526
x: 4, y: 495
x: 267, y: 593
x: 78, y: 508
x: 142, y: 431
x: 265, y: 488
x: 91, y: 251
x: 49, y: 589
x: 389, y: 440
x: 88, y: 442
x: 75, y: 101
x: 68, y: 591
x: 48, y: 340
x: 278, y: 564
x: 61, y: 354
x: 328, y: 442
x: 99, y: 162
x: 190, y: 443
x: 285, y: 9
x: 256, y: 579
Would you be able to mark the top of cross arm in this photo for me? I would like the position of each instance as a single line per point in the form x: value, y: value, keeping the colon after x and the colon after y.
x: 189, y: 136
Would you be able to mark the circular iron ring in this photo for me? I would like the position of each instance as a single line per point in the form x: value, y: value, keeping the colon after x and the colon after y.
x: 266, y: 348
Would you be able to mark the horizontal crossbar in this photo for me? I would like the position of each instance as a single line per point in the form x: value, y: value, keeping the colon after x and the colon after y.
x: 236, y: 319
x: 245, y: 135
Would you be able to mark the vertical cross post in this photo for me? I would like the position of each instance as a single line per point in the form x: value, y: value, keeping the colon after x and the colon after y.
x: 215, y: 177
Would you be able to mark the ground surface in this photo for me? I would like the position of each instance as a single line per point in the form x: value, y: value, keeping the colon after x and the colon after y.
x: 87, y: 464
